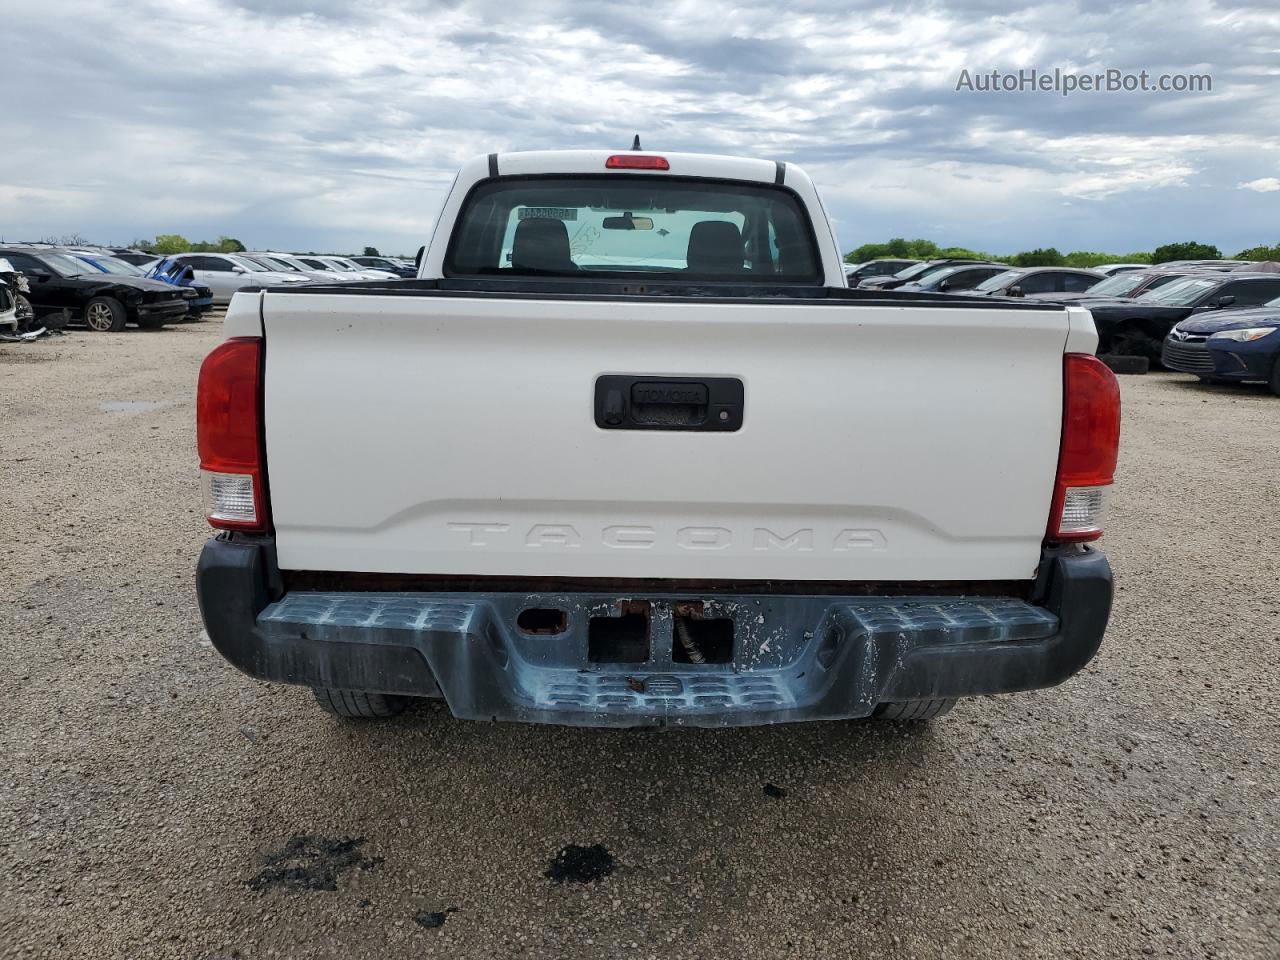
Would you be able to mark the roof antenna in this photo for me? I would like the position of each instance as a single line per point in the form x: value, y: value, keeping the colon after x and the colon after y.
x: 635, y: 144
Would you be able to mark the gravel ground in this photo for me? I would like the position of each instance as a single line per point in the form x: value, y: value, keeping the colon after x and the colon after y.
x: 156, y: 803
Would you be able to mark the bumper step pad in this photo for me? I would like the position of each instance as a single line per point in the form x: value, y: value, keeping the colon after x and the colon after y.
x: 794, y: 657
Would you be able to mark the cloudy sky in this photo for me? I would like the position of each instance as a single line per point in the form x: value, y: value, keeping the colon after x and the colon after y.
x: 332, y: 125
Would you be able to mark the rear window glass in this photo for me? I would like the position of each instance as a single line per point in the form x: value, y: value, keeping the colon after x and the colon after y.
x: 628, y: 225
x: 1183, y: 292
x: 1119, y: 284
x: 999, y: 280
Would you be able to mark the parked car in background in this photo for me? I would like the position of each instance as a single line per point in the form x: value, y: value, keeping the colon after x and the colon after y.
x: 1024, y: 281
x: 1111, y: 269
x: 323, y: 268
x: 181, y: 275
x: 225, y: 273
x: 915, y: 272
x: 104, y: 302
x: 1228, y: 346
x: 350, y: 266
x: 276, y: 263
x: 398, y: 267
x: 955, y: 279
x: 1123, y: 286
x: 855, y: 273
x: 344, y: 271
x: 1139, y: 327
x: 288, y: 263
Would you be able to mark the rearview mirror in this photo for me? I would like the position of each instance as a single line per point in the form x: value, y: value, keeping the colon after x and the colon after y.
x: 1014, y: 291
x: 239, y: 270
x: 38, y: 275
x: 628, y: 222
x: 1226, y: 301
x: 944, y: 286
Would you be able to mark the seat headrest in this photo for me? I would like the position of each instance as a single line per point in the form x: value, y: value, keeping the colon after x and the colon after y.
x: 715, y: 246
x: 541, y: 243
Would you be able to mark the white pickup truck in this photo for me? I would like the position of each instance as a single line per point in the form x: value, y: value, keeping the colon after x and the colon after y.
x: 629, y: 452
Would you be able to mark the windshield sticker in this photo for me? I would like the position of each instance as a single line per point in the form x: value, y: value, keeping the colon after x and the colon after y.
x: 548, y: 213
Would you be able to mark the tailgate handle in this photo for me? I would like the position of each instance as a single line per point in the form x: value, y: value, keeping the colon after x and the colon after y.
x: 647, y: 402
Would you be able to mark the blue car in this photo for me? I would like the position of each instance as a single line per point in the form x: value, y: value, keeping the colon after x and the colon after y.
x: 1228, y: 346
x: 181, y: 275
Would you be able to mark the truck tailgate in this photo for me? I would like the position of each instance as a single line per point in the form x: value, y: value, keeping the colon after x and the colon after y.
x: 455, y: 434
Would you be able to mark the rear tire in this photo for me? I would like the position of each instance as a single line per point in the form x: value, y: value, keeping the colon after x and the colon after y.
x: 1126, y: 363
x: 914, y: 709
x: 356, y: 705
x: 105, y: 315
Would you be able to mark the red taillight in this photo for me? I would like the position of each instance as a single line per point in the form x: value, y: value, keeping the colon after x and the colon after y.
x: 229, y: 436
x: 1090, y: 445
x: 632, y: 161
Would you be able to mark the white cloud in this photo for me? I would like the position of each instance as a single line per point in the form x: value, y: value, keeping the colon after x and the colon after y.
x: 1262, y: 185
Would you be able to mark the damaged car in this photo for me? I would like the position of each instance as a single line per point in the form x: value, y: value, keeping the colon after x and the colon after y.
x: 103, y: 302
x: 8, y: 301
x: 14, y: 296
x: 180, y: 275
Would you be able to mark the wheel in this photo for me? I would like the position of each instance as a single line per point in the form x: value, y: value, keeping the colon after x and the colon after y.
x: 104, y: 315
x: 351, y: 703
x: 913, y: 709
x: 1274, y: 382
x: 1126, y: 364
x: 1133, y: 343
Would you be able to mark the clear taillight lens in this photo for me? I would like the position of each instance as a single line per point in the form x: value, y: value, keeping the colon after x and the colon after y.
x: 1082, y: 509
x: 229, y: 498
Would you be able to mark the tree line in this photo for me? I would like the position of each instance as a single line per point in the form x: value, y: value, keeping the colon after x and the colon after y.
x: 900, y: 248
x: 171, y: 243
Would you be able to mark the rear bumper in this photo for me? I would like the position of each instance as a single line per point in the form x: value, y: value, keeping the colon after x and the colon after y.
x: 794, y: 657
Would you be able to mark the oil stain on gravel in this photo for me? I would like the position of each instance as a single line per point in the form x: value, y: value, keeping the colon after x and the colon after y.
x: 308, y: 862
x: 575, y: 864
x: 432, y: 919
